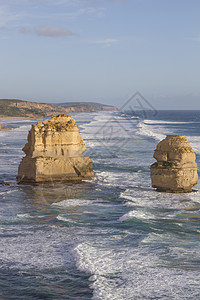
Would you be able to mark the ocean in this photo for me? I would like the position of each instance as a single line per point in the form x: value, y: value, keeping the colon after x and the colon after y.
x: 113, y: 238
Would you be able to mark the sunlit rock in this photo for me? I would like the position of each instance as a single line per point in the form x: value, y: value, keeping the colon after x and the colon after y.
x: 175, y: 170
x: 54, y: 152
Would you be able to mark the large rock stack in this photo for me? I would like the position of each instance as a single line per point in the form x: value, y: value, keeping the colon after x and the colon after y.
x: 54, y: 152
x: 175, y: 170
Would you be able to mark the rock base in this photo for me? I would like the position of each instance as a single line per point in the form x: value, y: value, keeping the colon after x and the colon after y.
x: 176, y: 191
x: 45, y: 169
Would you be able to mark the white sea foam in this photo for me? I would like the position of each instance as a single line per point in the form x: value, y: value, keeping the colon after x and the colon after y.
x: 19, y: 121
x: 155, y: 129
x: 195, y: 143
x: 24, y: 216
x: 12, y: 191
x: 23, y: 128
x: 149, y: 198
x: 133, y: 273
x: 147, y: 130
x: 107, y: 126
x: 118, y: 179
x: 73, y: 202
x: 166, y: 122
x: 2, y: 193
x: 8, y: 192
x: 3, y: 133
x: 26, y: 248
x: 65, y: 219
x: 136, y: 214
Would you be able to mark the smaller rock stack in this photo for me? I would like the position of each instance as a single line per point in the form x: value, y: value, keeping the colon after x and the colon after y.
x: 175, y: 170
x: 54, y: 152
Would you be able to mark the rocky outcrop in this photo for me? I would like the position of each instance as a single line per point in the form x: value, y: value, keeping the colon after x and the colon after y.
x: 175, y: 169
x: 54, y: 152
x: 2, y: 128
x: 26, y: 109
x: 87, y: 106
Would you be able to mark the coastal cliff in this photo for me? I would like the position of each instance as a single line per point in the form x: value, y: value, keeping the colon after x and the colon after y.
x: 27, y: 109
x: 90, y: 106
x: 175, y: 169
x: 54, y: 152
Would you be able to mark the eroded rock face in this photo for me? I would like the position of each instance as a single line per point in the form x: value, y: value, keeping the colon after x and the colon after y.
x: 54, y: 152
x: 175, y: 169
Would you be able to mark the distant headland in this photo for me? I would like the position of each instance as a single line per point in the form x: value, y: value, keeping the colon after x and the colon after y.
x: 15, y: 108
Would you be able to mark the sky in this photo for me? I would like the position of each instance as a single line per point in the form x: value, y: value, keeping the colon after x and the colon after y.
x: 101, y: 50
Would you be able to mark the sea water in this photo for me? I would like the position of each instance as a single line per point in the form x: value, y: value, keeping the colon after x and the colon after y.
x: 113, y: 238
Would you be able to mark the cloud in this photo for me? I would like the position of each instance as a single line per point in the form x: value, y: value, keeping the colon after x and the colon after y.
x: 84, y: 11
x: 52, y: 31
x: 25, y: 30
x: 70, y: 2
x: 106, y: 42
x: 195, y: 39
x: 3, y: 28
x: 47, y: 31
x: 71, y: 15
x: 6, y: 16
x: 52, y: 2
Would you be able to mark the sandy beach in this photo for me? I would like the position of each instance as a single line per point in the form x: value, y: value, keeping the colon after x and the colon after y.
x: 2, y: 128
x: 4, y: 118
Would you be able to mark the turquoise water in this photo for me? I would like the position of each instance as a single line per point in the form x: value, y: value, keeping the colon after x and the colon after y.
x: 111, y: 238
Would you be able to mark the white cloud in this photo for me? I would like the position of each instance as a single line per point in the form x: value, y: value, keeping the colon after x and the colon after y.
x: 68, y: 2
x: 25, y: 30
x: 52, y: 31
x: 6, y: 16
x: 106, y: 42
x: 195, y: 39
x: 71, y: 15
x: 84, y: 11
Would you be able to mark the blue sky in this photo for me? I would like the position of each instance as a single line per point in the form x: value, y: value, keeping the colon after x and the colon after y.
x: 101, y: 50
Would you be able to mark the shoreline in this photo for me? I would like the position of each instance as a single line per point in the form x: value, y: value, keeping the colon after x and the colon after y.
x: 5, y: 128
x: 4, y: 118
x: 2, y: 128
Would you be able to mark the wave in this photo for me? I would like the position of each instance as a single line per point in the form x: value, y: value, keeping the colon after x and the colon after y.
x: 141, y: 215
x: 147, y: 130
x: 20, y: 121
x: 3, y: 133
x: 23, y: 128
x: 129, y: 116
x: 121, y: 274
x: 65, y: 219
x: 24, y: 216
x: 166, y: 122
x: 140, y: 198
x: 107, y: 128
x: 8, y: 192
x: 31, y: 248
x: 195, y: 143
x: 73, y: 202
x: 112, y: 179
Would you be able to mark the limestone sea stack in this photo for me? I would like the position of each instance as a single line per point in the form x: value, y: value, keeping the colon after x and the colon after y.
x: 54, y: 153
x: 175, y: 170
